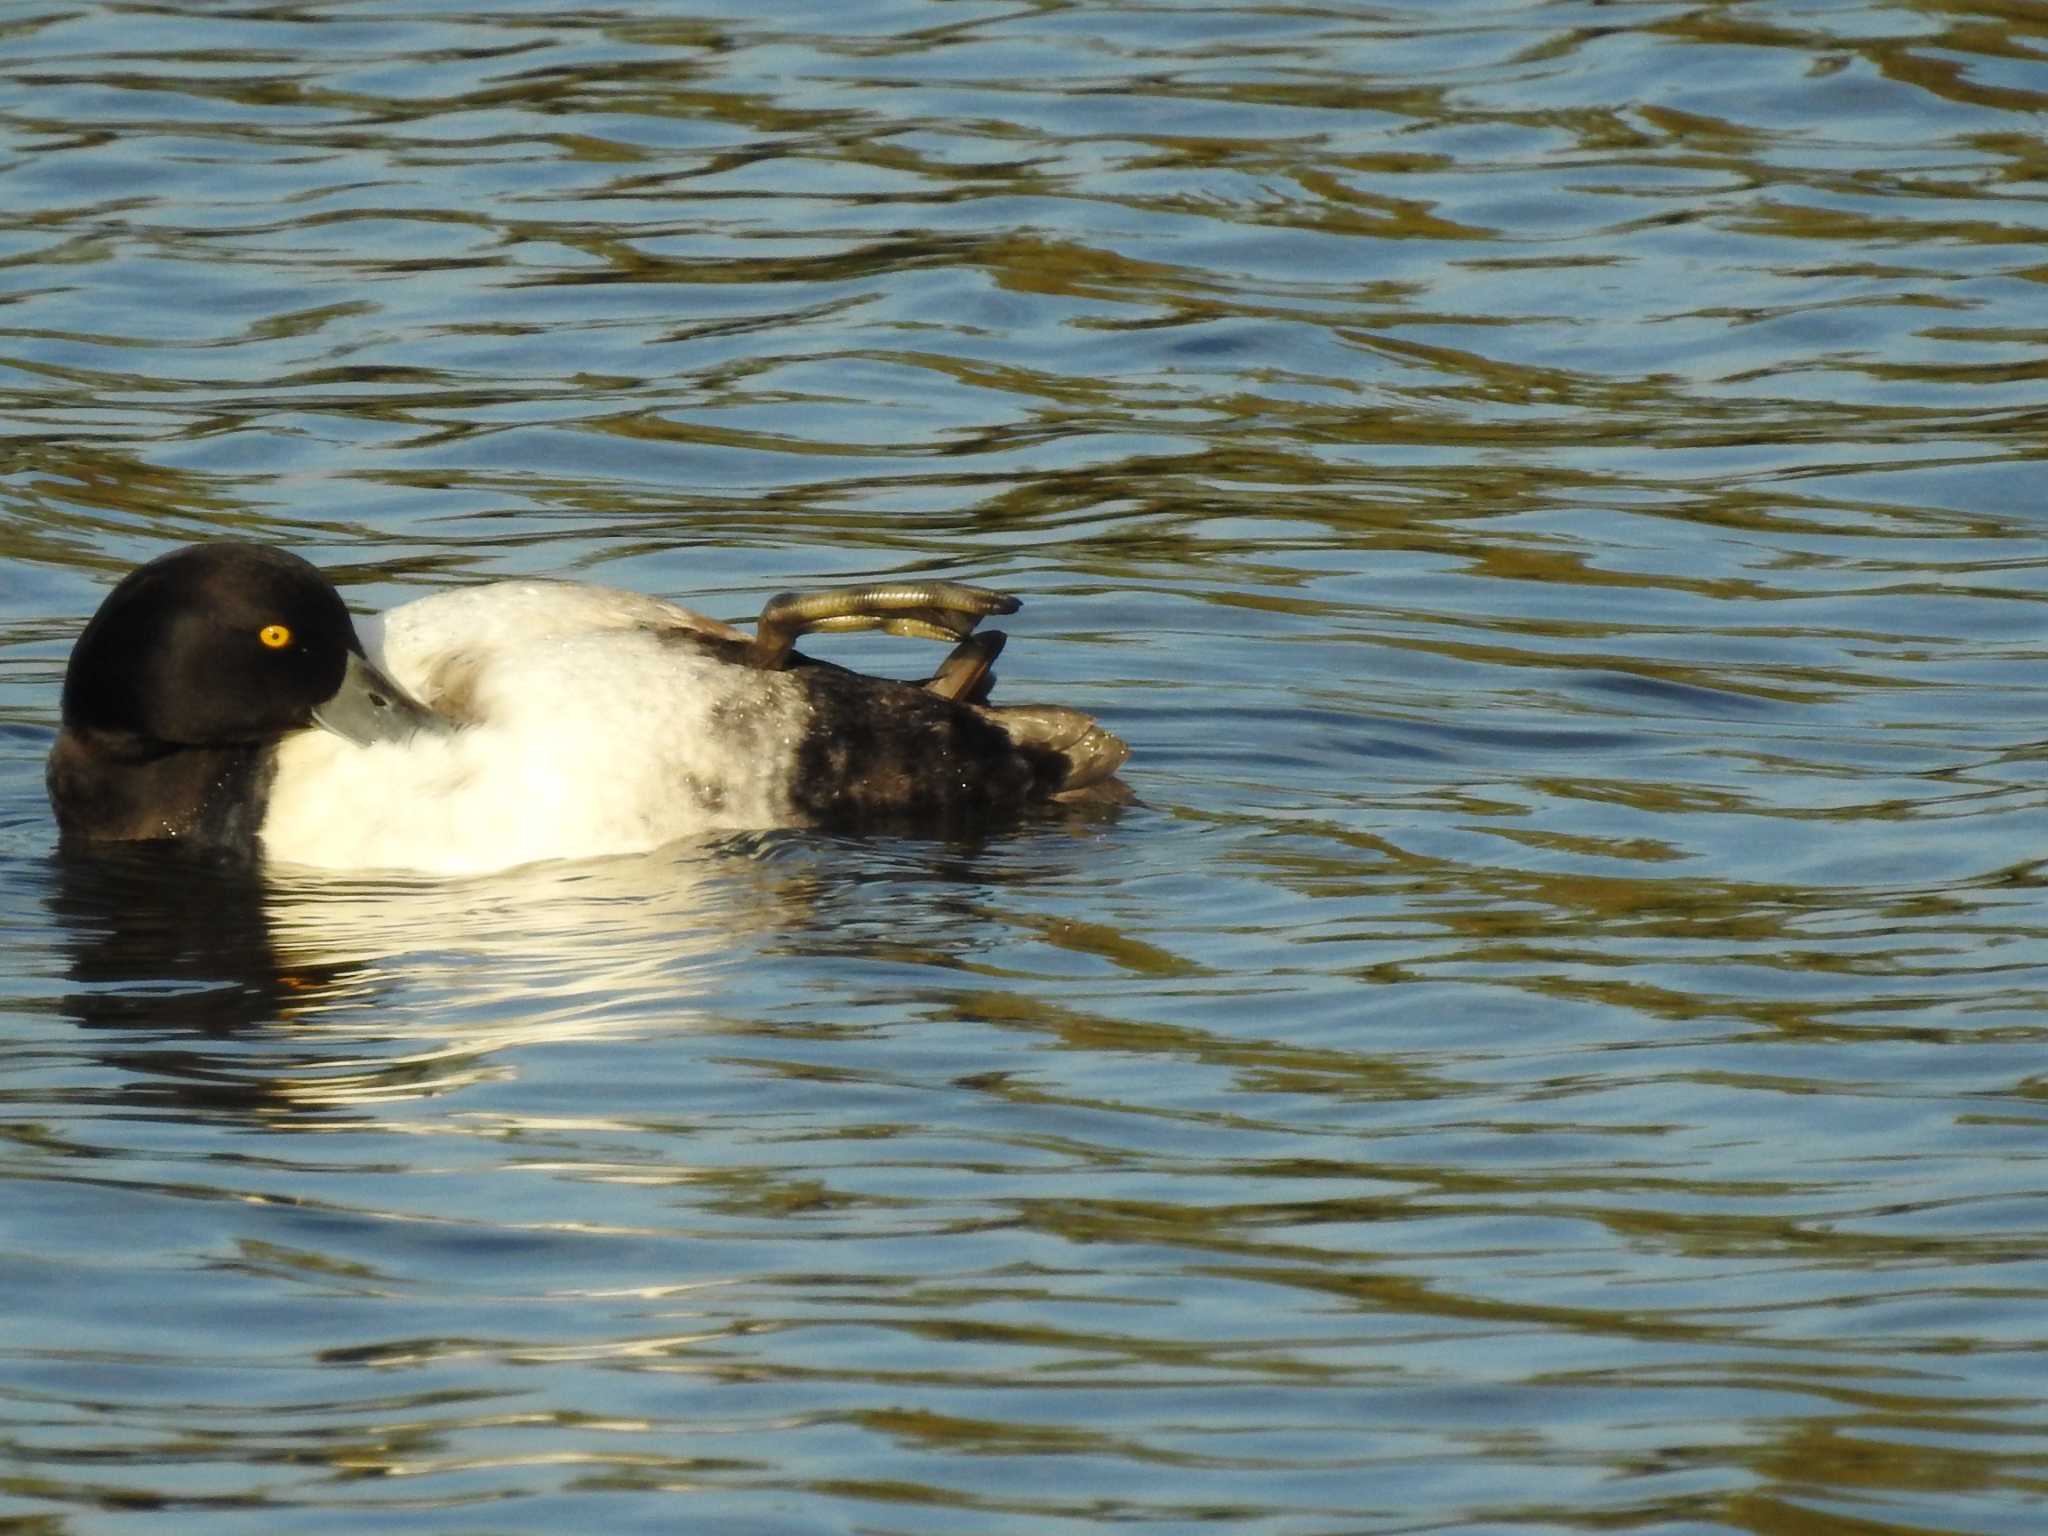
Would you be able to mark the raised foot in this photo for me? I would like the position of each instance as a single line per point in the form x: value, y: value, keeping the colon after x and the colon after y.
x: 925, y: 610
x: 965, y: 674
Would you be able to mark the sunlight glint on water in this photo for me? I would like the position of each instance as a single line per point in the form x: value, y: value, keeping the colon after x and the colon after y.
x: 1551, y: 494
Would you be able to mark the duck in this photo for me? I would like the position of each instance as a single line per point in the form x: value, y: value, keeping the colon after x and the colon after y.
x: 223, y: 698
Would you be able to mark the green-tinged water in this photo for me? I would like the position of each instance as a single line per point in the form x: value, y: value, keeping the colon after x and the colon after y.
x: 1553, y: 495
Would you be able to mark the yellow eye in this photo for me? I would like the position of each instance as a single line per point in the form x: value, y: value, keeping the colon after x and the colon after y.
x: 276, y: 636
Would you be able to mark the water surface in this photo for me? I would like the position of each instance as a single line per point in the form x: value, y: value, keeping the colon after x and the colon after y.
x: 1552, y: 493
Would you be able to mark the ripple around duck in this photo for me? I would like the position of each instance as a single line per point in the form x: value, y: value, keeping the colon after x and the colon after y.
x: 1549, y: 494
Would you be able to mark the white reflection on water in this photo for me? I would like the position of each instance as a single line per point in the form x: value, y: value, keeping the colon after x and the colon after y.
x: 354, y: 991
x: 1559, y: 488
x: 567, y: 927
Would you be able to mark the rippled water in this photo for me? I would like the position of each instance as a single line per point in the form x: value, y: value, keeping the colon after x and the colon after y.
x: 1553, y: 495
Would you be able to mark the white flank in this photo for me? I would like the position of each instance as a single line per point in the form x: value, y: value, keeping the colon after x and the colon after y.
x: 585, y: 734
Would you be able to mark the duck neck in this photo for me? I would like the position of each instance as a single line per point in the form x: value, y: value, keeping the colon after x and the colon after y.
x: 117, y: 786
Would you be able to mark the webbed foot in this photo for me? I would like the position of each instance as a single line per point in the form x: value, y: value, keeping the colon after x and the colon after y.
x: 926, y: 610
x: 964, y: 675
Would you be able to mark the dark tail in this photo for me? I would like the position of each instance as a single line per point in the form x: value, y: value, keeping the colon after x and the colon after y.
x: 1092, y: 755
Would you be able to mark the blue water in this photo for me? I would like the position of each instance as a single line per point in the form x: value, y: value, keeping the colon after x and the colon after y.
x: 1552, y: 495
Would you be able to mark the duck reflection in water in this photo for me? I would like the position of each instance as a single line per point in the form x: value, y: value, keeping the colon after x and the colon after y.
x: 171, y: 950
x: 227, y: 989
